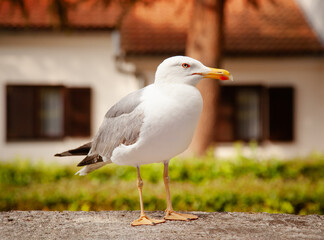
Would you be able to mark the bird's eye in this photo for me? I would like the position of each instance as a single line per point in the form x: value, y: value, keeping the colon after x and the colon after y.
x: 185, y: 65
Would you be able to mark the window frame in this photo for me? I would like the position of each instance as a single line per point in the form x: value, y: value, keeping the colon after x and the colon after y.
x: 264, y: 109
x: 36, y: 110
x: 262, y: 113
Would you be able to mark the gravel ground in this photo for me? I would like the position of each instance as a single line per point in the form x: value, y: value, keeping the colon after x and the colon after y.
x: 116, y: 225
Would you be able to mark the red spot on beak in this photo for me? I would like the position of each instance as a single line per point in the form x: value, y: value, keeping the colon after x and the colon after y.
x: 223, y: 78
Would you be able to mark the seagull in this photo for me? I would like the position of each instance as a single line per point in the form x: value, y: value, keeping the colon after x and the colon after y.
x: 151, y: 125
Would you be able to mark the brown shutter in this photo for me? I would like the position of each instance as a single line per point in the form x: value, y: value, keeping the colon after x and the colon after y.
x: 281, y: 113
x: 226, y: 114
x: 20, y: 113
x: 78, y: 112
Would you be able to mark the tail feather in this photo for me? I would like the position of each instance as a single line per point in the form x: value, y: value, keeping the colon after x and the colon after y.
x: 82, y: 150
x: 91, y: 162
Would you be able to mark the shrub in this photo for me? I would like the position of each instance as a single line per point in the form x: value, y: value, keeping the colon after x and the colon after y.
x: 204, y: 184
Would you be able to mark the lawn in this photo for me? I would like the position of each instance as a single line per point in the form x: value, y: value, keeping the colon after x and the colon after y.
x: 202, y: 184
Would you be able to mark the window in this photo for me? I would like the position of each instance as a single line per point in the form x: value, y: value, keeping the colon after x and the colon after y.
x: 47, y: 112
x: 255, y: 113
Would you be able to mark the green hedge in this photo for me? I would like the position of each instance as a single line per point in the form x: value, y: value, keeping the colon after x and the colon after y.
x: 203, y: 184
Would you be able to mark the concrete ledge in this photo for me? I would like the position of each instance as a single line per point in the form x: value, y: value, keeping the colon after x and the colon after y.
x: 116, y: 225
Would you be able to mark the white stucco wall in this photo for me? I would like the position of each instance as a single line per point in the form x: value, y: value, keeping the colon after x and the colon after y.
x: 87, y: 60
x: 67, y: 59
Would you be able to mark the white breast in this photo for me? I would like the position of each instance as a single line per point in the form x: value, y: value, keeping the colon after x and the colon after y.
x: 171, y: 113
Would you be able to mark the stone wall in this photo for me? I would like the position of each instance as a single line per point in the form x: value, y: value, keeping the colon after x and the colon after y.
x: 116, y: 225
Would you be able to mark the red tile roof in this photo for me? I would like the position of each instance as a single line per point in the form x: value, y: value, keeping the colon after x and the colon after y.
x: 161, y: 27
x: 87, y: 14
x: 277, y: 26
x: 271, y: 29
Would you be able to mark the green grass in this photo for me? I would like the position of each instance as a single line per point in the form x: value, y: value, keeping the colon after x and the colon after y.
x: 202, y: 184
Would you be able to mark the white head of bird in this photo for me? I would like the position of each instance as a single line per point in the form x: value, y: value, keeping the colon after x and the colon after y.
x: 181, y: 69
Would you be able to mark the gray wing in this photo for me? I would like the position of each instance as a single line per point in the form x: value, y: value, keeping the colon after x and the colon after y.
x: 121, y: 125
x: 126, y: 105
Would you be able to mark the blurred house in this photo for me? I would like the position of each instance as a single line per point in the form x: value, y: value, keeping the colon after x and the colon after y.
x: 57, y: 85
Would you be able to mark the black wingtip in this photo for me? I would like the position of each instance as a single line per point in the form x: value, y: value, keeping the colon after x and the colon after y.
x: 81, y: 164
x: 63, y: 154
x: 82, y: 150
x: 92, y: 159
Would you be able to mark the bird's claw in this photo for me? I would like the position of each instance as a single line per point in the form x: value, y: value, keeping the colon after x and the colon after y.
x: 171, y: 215
x: 144, y: 220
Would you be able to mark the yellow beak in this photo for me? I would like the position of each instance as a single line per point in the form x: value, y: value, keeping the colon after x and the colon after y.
x: 220, y: 74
